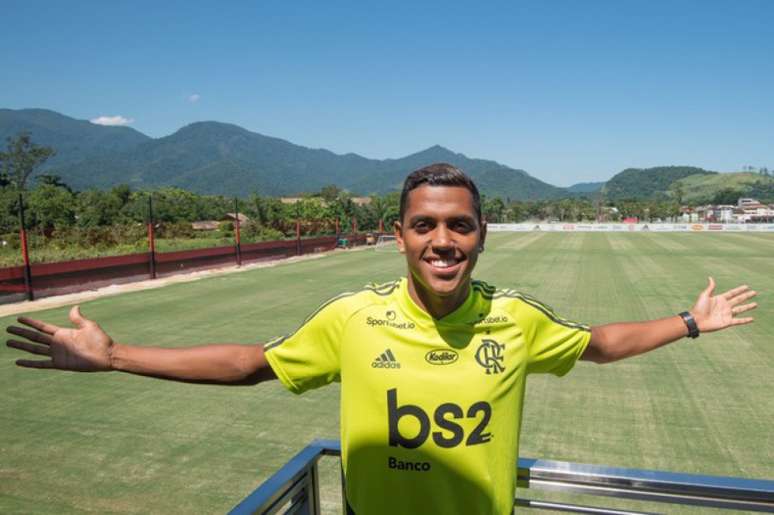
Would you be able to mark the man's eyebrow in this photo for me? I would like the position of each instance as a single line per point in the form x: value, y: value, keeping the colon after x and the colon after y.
x: 453, y: 218
x: 462, y: 218
x: 419, y: 218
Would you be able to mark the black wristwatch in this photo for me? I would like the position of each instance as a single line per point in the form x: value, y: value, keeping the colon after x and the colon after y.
x: 690, y: 322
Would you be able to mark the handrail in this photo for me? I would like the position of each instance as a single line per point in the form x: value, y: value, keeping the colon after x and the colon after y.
x: 295, y: 487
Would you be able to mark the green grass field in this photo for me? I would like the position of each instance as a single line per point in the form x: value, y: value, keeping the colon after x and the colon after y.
x: 114, y: 443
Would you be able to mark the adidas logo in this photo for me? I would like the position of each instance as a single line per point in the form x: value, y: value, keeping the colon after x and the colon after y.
x: 385, y: 360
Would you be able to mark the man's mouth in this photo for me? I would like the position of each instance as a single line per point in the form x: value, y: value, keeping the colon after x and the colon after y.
x: 444, y: 265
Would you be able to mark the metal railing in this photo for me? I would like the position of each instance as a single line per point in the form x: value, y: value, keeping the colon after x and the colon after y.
x: 294, y: 489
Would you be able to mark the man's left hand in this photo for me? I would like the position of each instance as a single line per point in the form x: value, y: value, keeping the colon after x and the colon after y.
x: 716, y: 312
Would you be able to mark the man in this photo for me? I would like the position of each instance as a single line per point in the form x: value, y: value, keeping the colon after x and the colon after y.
x: 432, y: 366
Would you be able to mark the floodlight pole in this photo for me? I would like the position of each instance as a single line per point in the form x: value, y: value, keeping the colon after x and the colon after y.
x: 25, y: 251
x: 236, y: 233
x: 151, y: 238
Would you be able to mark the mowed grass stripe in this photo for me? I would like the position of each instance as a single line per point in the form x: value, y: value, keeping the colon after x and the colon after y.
x: 124, y: 444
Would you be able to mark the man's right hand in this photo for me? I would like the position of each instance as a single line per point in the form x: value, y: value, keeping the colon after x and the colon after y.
x: 86, y: 348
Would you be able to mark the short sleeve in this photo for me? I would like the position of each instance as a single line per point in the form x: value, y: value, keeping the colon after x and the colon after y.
x: 310, y: 357
x: 554, y: 343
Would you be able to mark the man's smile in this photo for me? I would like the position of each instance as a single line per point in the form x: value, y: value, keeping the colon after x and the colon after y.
x: 445, y: 266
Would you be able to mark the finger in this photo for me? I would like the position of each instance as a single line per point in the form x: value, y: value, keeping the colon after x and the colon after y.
x: 77, y: 318
x: 742, y: 297
x: 31, y: 363
x: 39, y: 325
x: 741, y: 309
x: 34, y: 336
x: 29, y: 347
x: 710, y: 287
x: 736, y: 291
x: 741, y: 321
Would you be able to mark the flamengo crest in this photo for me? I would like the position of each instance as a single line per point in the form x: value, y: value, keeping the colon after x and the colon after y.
x: 490, y: 356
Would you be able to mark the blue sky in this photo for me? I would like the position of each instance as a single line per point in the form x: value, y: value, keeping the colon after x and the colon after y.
x: 569, y: 91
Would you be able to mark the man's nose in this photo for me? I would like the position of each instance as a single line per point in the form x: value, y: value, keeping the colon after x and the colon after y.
x: 442, y: 239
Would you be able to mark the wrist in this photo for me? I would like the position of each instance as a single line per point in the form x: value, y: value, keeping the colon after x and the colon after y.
x: 115, y: 353
x: 691, y: 324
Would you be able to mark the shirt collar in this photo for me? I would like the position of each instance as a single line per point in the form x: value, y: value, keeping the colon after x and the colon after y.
x: 469, y: 312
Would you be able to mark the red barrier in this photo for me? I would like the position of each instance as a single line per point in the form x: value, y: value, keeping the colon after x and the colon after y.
x: 86, y: 274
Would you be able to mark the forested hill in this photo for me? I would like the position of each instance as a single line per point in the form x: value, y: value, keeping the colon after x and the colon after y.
x: 648, y: 182
x: 220, y: 158
x: 74, y: 140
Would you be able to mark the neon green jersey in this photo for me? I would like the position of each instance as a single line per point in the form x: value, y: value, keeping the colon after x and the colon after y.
x: 430, y: 409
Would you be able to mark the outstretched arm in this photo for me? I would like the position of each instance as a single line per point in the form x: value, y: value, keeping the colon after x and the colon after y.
x: 87, y: 348
x: 612, y: 342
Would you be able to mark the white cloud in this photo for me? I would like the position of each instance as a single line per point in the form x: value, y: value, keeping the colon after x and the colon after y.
x: 112, y: 120
x: 194, y: 98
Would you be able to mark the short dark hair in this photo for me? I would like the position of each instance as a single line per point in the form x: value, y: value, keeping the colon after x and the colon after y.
x: 439, y: 174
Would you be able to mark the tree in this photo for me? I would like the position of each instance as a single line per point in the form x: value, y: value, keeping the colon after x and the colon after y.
x: 494, y: 209
x: 53, y: 180
x: 330, y: 193
x: 21, y: 159
x: 52, y: 207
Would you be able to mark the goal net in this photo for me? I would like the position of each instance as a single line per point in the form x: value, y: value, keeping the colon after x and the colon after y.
x: 386, y: 243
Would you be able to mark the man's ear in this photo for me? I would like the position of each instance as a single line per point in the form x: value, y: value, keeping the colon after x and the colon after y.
x: 398, y: 228
x: 483, y: 236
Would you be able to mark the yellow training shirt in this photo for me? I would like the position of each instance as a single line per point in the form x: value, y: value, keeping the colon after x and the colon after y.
x: 430, y: 409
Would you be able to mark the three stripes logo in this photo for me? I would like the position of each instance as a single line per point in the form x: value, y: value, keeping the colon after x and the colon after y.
x: 385, y: 360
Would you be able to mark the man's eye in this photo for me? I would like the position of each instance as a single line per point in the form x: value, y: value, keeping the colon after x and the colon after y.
x: 463, y: 227
x: 421, y: 227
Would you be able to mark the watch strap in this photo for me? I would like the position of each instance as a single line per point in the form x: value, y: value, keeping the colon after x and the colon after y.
x: 690, y: 322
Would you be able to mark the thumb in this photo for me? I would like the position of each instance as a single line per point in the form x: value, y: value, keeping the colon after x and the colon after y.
x: 710, y: 287
x: 77, y: 318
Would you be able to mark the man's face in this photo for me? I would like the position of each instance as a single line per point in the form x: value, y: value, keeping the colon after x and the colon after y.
x: 441, y: 236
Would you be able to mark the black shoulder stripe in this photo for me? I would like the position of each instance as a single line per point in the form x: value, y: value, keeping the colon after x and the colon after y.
x: 278, y: 341
x: 484, y: 286
x: 543, y: 308
x: 383, y: 289
x: 275, y: 342
x: 488, y: 295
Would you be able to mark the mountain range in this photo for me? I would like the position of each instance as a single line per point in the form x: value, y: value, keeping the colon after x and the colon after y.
x: 221, y: 158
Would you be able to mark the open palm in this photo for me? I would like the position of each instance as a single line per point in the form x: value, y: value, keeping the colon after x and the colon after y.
x: 85, y: 348
x: 715, y: 312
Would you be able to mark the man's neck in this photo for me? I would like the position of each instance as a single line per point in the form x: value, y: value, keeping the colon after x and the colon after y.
x: 437, y: 306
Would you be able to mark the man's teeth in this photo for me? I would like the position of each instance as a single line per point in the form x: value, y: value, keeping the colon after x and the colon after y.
x: 443, y: 263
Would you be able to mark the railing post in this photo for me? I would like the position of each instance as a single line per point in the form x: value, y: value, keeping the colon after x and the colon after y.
x: 25, y: 252
x: 298, y: 237
x: 236, y: 233
x: 151, y: 239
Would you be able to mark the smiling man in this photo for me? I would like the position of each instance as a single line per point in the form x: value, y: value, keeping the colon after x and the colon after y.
x: 432, y: 367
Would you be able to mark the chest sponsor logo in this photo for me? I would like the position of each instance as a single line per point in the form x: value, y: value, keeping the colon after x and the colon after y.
x: 498, y: 319
x: 490, y: 356
x: 441, y: 356
x: 448, y: 434
x: 389, y: 320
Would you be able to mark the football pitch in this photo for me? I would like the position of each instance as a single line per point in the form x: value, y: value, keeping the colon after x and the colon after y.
x: 116, y: 443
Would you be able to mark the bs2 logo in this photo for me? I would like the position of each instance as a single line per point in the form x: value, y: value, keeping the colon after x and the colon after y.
x: 452, y: 433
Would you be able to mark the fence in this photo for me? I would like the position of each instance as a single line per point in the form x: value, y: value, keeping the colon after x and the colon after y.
x: 47, y: 279
x: 295, y: 489
x: 639, y: 227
